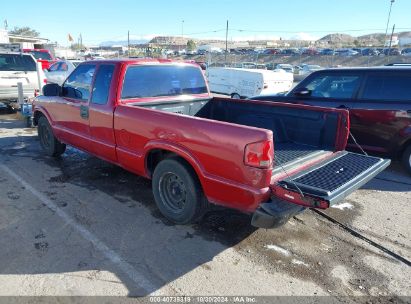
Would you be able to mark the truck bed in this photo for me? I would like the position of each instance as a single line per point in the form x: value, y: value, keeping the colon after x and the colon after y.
x: 308, y: 142
x: 299, y: 134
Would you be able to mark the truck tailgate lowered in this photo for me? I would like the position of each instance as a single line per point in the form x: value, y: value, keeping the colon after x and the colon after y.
x: 329, y: 182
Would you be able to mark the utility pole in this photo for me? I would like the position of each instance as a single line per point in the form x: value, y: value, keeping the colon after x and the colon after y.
x: 226, y: 42
x: 128, y: 43
x: 389, y: 48
x: 388, y: 21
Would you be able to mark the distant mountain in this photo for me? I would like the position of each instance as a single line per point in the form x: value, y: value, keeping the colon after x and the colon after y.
x: 338, y: 38
x: 123, y: 42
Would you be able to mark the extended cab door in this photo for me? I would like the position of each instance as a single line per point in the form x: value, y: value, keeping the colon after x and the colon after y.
x: 71, y: 112
x: 101, y: 111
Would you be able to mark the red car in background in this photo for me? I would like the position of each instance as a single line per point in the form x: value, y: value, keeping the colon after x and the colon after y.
x: 42, y: 55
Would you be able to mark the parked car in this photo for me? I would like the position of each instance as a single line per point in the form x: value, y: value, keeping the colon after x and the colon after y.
x: 346, y: 52
x: 406, y: 52
x: 379, y: 101
x: 243, y: 83
x: 310, y: 52
x: 286, y: 67
x: 328, y: 52
x: 391, y: 52
x: 370, y: 52
x: 245, y: 65
x: 261, y: 66
x: 308, y: 69
x: 18, y: 67
x: 157, y: 119
x: 59, y: 71
x: 290, y: 52
x: 272, y: 51
x: 42, y: 55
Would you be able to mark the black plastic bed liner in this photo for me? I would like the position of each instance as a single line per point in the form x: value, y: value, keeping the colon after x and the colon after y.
x: 335, y: 178
x: 287, y: 152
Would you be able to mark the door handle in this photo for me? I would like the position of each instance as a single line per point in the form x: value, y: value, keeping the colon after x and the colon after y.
x: 84, y: 112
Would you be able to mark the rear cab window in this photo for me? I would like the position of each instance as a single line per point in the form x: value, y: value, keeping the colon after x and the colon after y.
x: 149, y: 81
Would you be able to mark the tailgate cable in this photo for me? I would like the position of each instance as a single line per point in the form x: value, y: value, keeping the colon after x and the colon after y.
x: 357, y: 144
x: 353, y: 138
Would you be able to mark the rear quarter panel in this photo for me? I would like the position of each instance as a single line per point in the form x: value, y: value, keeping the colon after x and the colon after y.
x: 214, y: 149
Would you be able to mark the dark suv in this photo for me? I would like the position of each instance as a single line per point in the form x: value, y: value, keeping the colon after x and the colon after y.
x: 379, y: 101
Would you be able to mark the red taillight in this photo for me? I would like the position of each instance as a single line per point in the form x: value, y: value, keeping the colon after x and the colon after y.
x: 259, y: 154
x: 45, y: 80
x: 36, y: 93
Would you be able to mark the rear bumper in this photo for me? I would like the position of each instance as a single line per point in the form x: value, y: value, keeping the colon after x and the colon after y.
x: 274, y: 213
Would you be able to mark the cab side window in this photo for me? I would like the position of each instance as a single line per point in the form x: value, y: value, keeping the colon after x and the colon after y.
x: 78, y: 85
x: 102, y: 83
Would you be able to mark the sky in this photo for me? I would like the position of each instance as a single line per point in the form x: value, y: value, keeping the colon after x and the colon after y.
x: 99, y: 21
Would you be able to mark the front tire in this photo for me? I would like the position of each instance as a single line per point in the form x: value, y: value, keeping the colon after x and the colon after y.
x: 49, y: 143
x: 235, y: 96
x: 177, y: 192
x: 406, y: 159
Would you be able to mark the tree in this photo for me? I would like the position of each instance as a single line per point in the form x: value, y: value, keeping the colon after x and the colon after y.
x: 191, y: 45
x: 24, y: 31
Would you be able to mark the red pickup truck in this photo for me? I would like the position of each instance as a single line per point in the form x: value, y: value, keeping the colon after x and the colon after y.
x: 156, y: 118
x: 43, y: 56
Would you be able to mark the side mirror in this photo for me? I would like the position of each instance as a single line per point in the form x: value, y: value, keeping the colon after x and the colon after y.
x: 52, y: 89
x: 302, y: 92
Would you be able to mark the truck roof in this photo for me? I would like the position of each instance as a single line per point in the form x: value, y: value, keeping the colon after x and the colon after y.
x: 130, y: 61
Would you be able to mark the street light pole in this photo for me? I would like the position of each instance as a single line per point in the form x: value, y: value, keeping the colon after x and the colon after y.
x: 182, y: 31
x: 388, y: 21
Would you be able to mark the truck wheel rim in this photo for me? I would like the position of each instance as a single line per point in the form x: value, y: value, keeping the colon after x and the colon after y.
x: 173, y: 192
x: 44, y: 136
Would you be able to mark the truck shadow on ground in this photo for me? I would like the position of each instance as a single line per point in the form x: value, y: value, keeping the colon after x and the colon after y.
x: 151, y: 244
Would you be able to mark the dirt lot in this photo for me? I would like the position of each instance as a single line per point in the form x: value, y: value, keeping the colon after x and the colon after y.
x: 80, y: 226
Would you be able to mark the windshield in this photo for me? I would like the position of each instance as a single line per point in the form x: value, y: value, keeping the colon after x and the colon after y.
x: 162, y: 80
x: 17, y: 62
x: 41, y: 55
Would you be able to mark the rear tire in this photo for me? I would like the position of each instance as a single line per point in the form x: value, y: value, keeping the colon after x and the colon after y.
x: 406, y: 159
x: 177, y: 192
x: 50, y: 144
x: 235, y: 96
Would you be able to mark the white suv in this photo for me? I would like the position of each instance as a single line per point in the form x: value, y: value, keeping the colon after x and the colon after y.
x: 18, y: 67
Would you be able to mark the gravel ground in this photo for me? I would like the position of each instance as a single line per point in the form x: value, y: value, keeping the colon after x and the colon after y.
x: 80, y: 226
